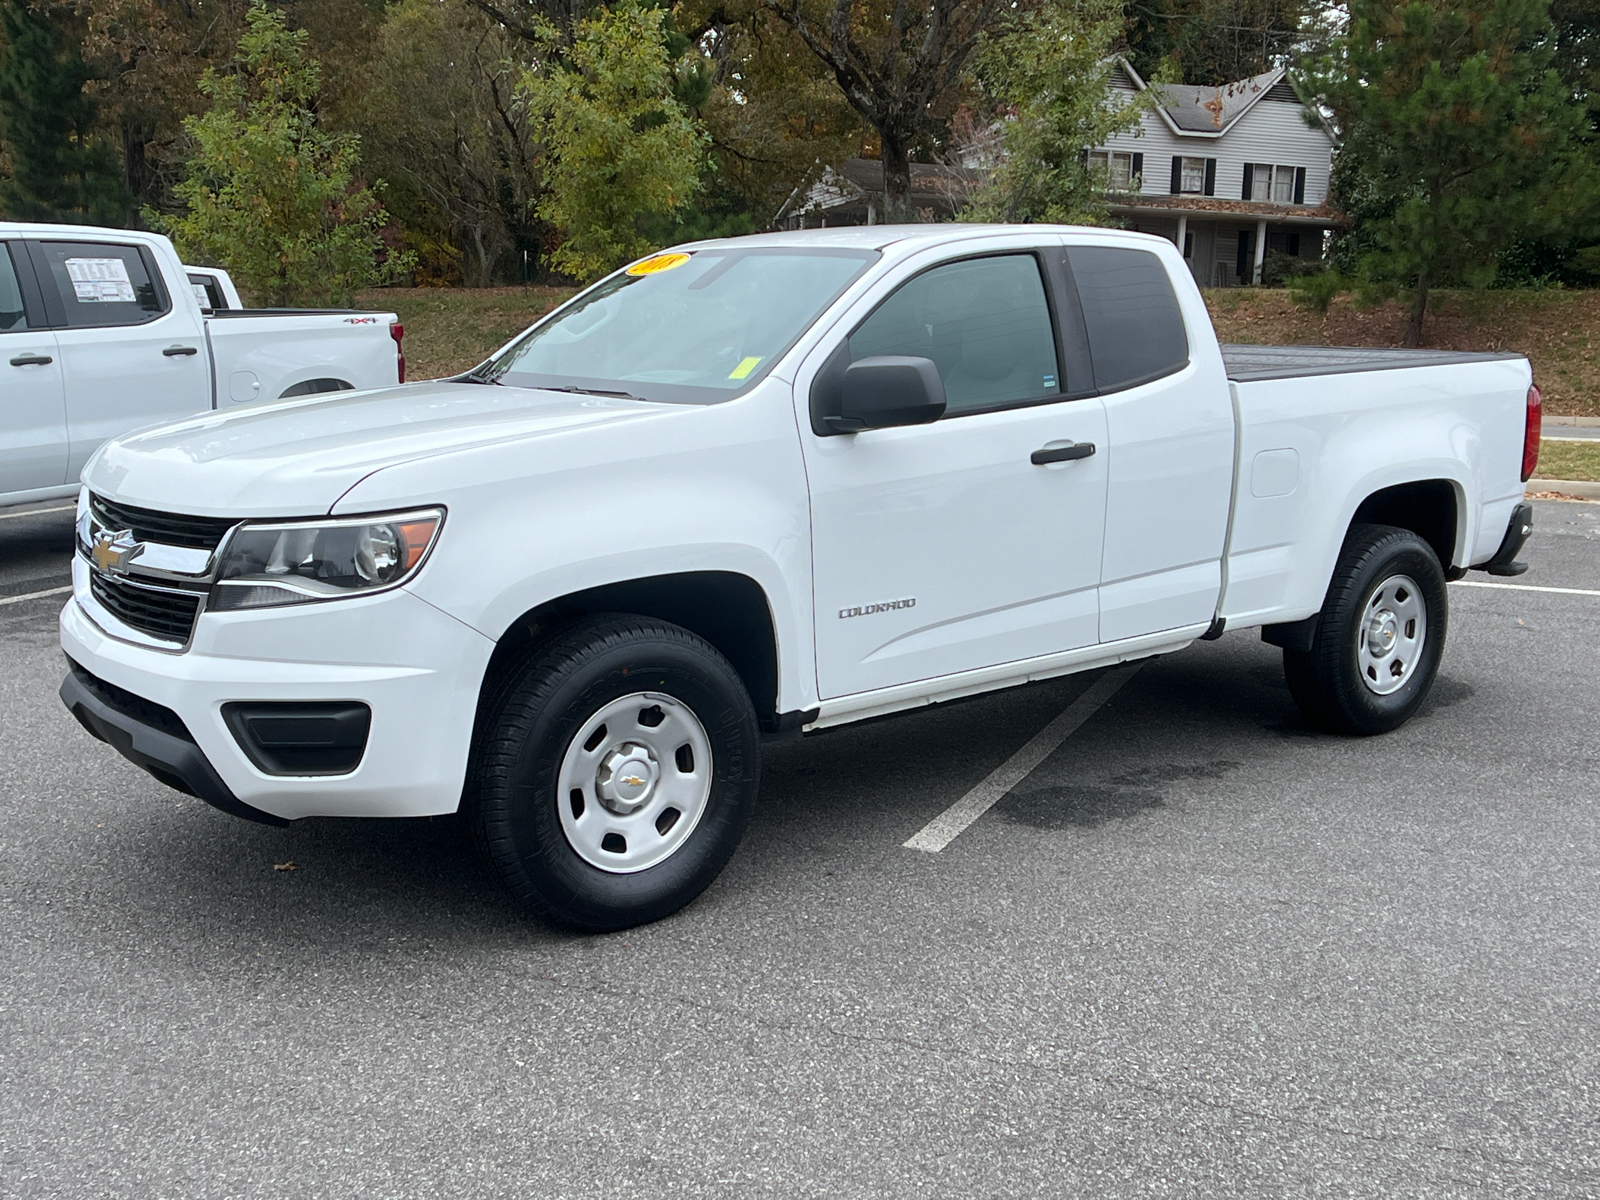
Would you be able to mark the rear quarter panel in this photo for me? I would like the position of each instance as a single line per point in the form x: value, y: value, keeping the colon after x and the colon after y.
x: 1313, y: 448
x: 261, y: 357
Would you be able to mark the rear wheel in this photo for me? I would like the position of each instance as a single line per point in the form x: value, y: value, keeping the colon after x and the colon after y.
x: 1380, y: 637
x: 615, y: 773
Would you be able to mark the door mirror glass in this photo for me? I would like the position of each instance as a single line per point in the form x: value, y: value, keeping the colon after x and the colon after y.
x: 888, y: 390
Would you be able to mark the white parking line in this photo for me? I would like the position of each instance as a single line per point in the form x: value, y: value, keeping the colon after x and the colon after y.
x: 948, y: 825
x: 35, y: 595
x: 36, y: 512
x: 1527, y: 587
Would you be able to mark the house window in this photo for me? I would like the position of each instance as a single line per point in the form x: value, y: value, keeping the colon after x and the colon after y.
x: 1261, y: 181
x: 1193, y: 178
x: 1283, y: 185
x: 1117, y: 166
x: 1274, y: 183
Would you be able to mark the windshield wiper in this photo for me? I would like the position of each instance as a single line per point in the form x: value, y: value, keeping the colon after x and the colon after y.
x: 594, y: 392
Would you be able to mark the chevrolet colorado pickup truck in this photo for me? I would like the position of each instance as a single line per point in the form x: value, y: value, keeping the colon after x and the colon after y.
x: 103, y: 331
x: 765, y: 486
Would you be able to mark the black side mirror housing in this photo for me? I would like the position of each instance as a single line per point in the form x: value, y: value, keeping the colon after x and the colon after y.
x: 888, y: 390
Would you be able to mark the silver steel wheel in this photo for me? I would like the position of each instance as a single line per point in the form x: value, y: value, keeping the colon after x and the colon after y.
x: 1391, y: 634
x: 634, y: 782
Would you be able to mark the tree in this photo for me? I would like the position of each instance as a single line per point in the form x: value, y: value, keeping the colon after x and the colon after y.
x: 270, y: 192
x: 620, y: 147
x: 1050, y: 80
x: 1458, y: 138
x: 61, y: 169
x: 1213, y: 42
x: 901, y: 66
x: 442, y: 121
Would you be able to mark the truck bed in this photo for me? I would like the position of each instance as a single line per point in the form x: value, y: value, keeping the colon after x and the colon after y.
x: 1248, y: 364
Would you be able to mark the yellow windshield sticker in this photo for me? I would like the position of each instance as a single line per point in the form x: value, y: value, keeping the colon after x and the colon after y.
x: 745, y: 367
x: 661, y: 262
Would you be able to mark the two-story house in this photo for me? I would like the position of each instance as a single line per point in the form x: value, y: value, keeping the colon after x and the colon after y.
x: 1227, y: 173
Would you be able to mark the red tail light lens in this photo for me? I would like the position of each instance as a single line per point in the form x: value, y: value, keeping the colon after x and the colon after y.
x: 1530, y: 433
x: 398, y: 332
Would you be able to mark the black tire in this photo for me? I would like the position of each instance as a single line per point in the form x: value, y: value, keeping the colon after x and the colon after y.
x: 540, y: 707
x: 1327, y: 683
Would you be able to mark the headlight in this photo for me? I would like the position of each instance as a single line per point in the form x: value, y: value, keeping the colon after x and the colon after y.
x: 297, y: 562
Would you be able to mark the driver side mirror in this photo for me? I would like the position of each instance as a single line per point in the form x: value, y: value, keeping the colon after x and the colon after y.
x: 888, y: 390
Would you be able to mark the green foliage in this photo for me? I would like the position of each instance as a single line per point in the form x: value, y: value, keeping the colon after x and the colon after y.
x: 1317, y: 290
x: 1459, y: 139
x: 271, y: 193
x: 622, y: 151
x: 1050, y: 78
x: 62, y: 168
x: 440, y: 121
x: 1214, y: 41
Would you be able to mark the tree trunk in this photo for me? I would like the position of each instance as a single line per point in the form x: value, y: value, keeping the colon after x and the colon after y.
x: 896, y: 179
x: 1419, y: 309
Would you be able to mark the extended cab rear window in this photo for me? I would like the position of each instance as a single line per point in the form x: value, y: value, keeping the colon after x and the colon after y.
x: 687, y: 326
x: 1131, y: 315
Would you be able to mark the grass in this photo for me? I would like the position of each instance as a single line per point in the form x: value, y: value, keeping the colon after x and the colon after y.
x: 1574, y: 460
x: 1558, y: 330
x: 450, y: 330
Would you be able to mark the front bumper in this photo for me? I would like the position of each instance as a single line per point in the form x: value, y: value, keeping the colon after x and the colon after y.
x: 417, y: 669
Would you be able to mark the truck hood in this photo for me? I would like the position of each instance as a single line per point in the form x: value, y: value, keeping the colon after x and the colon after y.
x: 296, y: 458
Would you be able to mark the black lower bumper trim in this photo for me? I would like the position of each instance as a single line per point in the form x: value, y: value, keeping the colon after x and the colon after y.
x: 1517, y: 531
x: 152, y: 737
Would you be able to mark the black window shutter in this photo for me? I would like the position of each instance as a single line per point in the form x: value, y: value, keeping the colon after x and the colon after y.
x: 1138, y: 170
x: 1244, y: 249
x: 1249, y: 179
x: 1211, y: 177
x: 1177, y: 174
x: 1299, y: 185
x: 1294, y: 245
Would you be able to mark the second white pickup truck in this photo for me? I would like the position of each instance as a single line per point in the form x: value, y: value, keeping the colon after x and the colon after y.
x: 103, y: 331
x: 762, y: 486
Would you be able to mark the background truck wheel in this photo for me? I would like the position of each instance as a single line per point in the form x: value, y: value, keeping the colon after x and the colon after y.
x: 614, y: 773
x: 1380, y: 636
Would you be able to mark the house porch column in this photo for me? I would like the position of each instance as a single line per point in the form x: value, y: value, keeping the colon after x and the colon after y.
x: 1261, y: 252
x: 1183, y: 232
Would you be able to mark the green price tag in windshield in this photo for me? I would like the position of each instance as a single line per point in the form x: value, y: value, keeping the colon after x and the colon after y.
x: 745, y: 367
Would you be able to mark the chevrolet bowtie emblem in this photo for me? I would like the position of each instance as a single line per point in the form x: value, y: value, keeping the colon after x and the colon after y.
x: 632, y: 781
x: 113, y: 549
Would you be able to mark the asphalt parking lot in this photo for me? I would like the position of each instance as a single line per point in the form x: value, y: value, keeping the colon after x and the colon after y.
x: 1199, y: 951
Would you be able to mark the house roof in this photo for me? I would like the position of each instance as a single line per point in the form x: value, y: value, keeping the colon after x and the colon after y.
x: 1202, y: 110
x: 1324, y: 215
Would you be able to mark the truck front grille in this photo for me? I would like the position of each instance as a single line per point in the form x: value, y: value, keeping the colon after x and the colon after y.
x: 169, y: 529
x: 163, y: 613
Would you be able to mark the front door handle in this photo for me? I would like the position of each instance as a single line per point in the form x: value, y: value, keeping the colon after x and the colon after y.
x: 1057, y: 454
x: 177, y: 351
x: 32, y: 360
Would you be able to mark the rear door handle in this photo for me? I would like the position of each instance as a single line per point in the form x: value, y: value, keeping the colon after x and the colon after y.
x: 32, y: 360
x: 176, y: 351
x: 1057, y: 454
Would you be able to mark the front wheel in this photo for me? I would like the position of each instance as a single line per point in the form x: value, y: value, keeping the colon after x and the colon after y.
x: 614, y: 773
x: 1380, y: 637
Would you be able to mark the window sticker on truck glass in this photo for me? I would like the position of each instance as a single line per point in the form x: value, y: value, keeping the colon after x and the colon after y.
x: 661, y: 262
x: 100, y: 280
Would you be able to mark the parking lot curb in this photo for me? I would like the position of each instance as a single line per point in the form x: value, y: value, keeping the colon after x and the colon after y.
x: 1567, y: 487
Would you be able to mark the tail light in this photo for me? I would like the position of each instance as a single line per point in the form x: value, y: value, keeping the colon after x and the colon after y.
x: 1530, y: 432
x: 398, y: 332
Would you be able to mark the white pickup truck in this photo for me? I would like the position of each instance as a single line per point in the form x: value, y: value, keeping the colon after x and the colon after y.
x: 103, y: 331
x: 757, y: 487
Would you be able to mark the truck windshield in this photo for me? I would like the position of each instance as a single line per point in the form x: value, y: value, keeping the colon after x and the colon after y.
x: 691, y: 326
